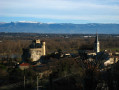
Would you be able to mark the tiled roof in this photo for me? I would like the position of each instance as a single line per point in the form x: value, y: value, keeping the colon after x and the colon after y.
x: 24, y: 64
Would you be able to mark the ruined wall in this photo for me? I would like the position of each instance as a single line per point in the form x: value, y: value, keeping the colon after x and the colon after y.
x: 35, y: 54
x: 34, y: 51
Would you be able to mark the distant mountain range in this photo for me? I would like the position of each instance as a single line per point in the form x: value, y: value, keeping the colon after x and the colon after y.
x: 37, y: 27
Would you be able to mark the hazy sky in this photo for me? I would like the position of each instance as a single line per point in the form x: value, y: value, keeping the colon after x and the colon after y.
x: 60, y: 11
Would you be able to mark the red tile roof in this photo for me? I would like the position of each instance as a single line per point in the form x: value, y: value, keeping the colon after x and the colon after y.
x: 24, y: 64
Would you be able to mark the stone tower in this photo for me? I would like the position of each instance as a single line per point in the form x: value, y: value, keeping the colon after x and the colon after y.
x: 96, y: 44
x: 35, y: 51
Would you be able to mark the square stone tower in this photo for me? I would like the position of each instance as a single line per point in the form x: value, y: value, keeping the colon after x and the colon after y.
x: 34, y: 51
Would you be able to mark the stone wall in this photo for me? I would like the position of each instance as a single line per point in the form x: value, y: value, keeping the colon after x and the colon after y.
x: 35, y: 54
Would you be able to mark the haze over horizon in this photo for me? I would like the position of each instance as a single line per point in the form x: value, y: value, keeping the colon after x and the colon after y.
x: 60, y: 11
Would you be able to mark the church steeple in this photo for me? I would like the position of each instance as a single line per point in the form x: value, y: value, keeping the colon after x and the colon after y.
x: 96, y: 39
x: 96, y: 44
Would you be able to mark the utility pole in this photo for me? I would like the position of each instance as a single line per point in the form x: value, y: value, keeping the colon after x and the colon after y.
x: 24, y: 81
x: 39, y: 77
x: 37, y: 83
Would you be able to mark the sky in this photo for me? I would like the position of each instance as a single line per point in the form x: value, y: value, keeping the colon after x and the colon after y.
x: 60, y: 11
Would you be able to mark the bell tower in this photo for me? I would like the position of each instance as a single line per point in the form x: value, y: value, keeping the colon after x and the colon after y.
x: 96, y: 44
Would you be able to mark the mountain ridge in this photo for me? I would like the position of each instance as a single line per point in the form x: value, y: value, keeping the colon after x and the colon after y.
x: 38, y: 27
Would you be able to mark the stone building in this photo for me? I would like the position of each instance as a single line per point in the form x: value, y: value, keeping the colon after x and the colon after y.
x: 35, y: 51
x: 24, y: 66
